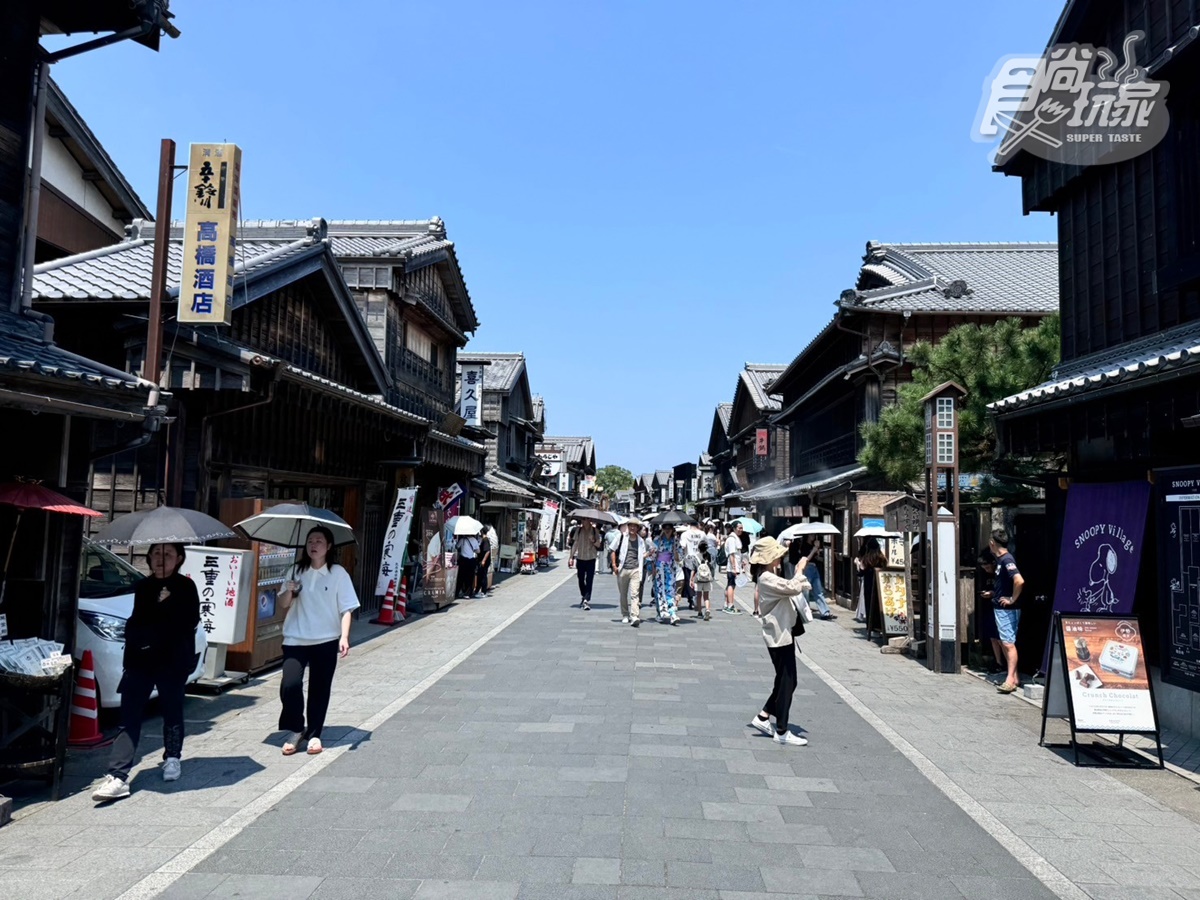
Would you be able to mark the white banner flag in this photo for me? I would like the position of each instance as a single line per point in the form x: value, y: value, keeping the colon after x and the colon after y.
x: 549, y: 517
x: 396, y: 541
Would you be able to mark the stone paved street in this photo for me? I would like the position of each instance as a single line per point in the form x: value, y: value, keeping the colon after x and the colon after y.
x: 568, y: 756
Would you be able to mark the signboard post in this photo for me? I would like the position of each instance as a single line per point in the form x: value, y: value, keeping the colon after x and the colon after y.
x: 223, y: 581
x: 1098, y: 666
x: 210, y: 234
x: 905, y: 515
x: 433, y: 575
x: 894, y: 603
x: 1178, y: 504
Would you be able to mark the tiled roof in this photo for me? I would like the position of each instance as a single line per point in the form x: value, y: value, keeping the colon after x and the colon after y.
x: 502, y: 372
x: 1018, y: 278
x: 724, y: 411
x: 647, y: 481
x: 756, y: 377
x: 404, y: 240
x: 411, y: 242
x: 803, y: 484
x: 457, y: 441
x: 123, y: 271
x: 494, y: 483
x: 576, y: 450
x: 333, y: 387
x: 26, y: 355
x: 1173, y: 350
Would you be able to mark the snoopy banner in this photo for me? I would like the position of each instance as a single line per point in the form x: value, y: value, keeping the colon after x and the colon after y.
x: 1101, y: 547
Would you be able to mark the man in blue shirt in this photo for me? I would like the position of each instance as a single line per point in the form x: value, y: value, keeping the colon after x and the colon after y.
x: 1005, y: 593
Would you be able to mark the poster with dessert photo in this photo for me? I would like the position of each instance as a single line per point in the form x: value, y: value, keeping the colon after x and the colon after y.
x: 1107, y: 679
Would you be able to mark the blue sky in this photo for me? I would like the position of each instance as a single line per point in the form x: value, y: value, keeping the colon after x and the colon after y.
x: 683, y: 185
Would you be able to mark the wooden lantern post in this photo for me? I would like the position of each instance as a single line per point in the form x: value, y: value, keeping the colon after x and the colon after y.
x: 941, y: 530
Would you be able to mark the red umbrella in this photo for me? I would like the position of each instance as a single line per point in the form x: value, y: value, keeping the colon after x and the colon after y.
x: 31, y: 495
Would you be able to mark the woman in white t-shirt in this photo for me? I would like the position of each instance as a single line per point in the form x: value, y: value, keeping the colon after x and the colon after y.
x: 318, y: 598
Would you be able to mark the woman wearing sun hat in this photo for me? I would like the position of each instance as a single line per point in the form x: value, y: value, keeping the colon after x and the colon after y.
x: 780, y: 623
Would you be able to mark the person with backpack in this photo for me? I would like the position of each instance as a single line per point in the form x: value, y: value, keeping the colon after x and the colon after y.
x: 703, y: 578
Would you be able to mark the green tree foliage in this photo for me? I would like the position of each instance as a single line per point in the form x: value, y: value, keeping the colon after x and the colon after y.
x: 990, y: 362
x: 611, y: 479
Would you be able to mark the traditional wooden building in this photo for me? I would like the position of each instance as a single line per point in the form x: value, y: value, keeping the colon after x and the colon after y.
x: 684, y: 478
x: 856, y: 363
x: 85, y: 203
x: 1124, y: 398
x: 286, y: 403
x: 758, y: 446
x: 52, y: 401
x: 721, y: 464
x: 406, y: 281
x: 568, y: 465
x: 511, y: 435
x: 643, y: 493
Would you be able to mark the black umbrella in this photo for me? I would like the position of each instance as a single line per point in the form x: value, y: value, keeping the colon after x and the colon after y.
x: 596, y: 515
x: 672, y: 517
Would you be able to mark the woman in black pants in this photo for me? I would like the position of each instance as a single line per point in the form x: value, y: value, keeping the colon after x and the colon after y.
x: 779, y: 626
x: 160, y: 651
x: 319, y: 598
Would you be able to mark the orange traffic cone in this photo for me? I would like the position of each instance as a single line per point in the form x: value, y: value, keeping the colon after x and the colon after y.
x: 85, y: 724
x: 386, y: 612
x: 402, y: 600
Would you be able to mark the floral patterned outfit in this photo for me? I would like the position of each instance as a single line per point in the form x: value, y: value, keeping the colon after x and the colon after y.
x: 666, y: 549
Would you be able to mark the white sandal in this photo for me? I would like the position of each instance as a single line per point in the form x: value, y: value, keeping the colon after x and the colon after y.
x: 314, y: 746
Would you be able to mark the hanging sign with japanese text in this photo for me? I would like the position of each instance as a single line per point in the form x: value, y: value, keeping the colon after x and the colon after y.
x: 548, y: 522
x: 470, y: 405
x: 395, y: 542
x: 210, y: 234
x: 762, y: 442
x: 222, y: 579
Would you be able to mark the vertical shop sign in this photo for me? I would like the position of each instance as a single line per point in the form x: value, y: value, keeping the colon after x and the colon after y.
x: 395, y: 542
x: 210, y: 234
x: 471, y: 394
x: 1178, y: 496
x: 549, y: 519
x: 433, y: 575
x: 762, y: 442
x: 222, y: 580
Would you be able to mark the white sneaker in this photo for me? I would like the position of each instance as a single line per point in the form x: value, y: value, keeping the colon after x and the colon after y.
x: 112, y: 788
x: 624, y: 620
x: 763, y: 725
x: 790, y: 740
x: 172, y: 769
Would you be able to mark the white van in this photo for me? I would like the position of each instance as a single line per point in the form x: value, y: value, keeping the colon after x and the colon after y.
x: 105, y: 604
